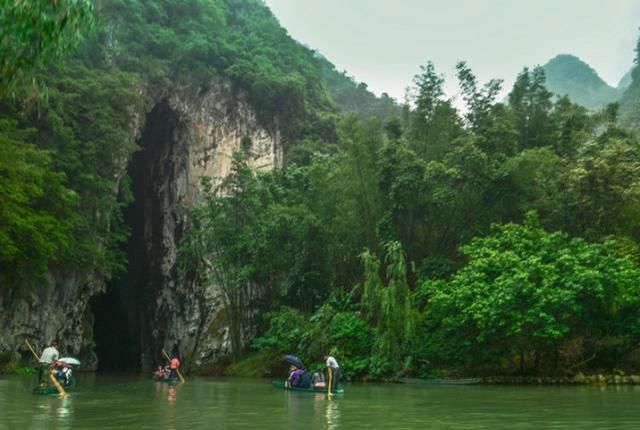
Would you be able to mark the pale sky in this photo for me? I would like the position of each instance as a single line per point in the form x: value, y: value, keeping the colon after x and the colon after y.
x: 384, y: 42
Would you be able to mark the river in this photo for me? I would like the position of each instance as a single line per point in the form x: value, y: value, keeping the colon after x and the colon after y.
x: 103, y: 401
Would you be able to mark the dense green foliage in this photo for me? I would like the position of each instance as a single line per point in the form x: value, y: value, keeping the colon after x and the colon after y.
x: 438, y: 290
x: 36, y: 214
x: 78, y: 143
x: 541, y: 298
x: 189, y: 41
x: 389, y: 309
x: 34, y: 33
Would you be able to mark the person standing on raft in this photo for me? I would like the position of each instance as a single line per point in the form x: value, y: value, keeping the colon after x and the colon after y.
x: 49, y: 356
x: 174, y: 365
x: 334, y: 371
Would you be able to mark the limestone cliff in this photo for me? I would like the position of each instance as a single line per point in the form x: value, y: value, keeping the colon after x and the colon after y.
x: 56, y: 308
x: 186, y: 134
x: 201, y: 132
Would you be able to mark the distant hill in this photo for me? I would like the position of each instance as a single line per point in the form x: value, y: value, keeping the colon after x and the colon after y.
x: 630, y: 102
x: 568, y: 75
x: 626, y: 80
x: 355, y: 97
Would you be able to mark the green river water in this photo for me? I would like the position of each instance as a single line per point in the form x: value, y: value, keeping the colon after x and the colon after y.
x: 134, y: 402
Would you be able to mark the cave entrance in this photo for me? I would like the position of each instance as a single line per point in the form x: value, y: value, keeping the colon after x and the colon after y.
x: 123, y: 314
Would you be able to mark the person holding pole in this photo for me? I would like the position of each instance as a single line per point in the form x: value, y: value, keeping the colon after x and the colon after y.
x: 51, y: 377
x: 334, y: 371
x: 49, y: 356
x: 175, y: 365
x: 174, y: 370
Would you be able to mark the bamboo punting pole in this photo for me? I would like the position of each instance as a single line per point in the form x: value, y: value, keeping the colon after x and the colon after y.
x: 177, y: 370
x: 51, y: 377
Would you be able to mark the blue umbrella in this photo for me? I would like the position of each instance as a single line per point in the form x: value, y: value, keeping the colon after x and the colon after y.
x: 292, y: 359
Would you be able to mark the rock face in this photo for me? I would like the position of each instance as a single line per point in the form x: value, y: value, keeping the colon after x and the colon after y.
x: 57, y: 308
x: 187, y: 134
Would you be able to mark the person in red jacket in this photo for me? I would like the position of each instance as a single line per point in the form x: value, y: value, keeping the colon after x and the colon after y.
x: 174, y: 365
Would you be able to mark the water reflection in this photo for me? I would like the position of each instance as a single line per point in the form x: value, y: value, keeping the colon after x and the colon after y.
x: 172, y: 396
x: 65, y: 408
x: 52, y: 412
x: 332, y: 413
x: 328, y: 410
x: 129, y: 402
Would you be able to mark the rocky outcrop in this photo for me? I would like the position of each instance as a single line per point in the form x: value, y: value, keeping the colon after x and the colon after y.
x: 55, y: 309
x: 187, y: 133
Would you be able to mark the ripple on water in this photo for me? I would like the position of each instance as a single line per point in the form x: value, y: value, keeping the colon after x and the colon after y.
x: 132, y: 402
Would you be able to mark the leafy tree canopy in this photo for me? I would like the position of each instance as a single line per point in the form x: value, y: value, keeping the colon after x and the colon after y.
x: 33, y: 33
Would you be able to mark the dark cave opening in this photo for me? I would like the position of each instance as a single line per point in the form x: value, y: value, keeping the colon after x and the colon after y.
x: 123, y: 314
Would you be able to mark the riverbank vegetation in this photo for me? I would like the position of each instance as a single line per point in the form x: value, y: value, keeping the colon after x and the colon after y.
x: 498, y: 240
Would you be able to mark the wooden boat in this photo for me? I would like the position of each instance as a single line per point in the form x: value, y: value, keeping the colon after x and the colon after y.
x: 51, y: 390
x: 172, y: 381
x: 283, y: 386
x: 435, y: 381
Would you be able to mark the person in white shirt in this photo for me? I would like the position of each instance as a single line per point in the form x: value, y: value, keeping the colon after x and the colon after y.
x: 334, y: 371
x: 49, y: 356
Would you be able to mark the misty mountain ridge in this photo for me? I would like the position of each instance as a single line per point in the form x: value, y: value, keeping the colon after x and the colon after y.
x: 626, y: 81
x: 569, y: 75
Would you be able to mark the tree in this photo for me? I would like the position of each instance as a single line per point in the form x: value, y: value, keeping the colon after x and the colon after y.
x: 404, y: 194
x: 434, y: 122
x: 86, y: 123
x: 389, y: 308
x: 356, y: 178
x: 38, y: 212
x: 490, y: 122
x: 34, y: 33
x: 478, y: 100
x: 291, y: 259
x: 573, y: 126
x: 531, y: 104
x: 530, y: 294
x: 428, y: 92
x: 219, y: 247
x: 602, y: 190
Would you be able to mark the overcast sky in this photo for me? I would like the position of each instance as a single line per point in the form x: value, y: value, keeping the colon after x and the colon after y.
x: 383, y: 42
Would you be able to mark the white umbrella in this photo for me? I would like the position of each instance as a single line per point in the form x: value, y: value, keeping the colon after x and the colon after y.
x: 70, y: 360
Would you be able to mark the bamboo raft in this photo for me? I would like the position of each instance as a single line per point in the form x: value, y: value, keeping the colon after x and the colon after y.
x: 281, y: 385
